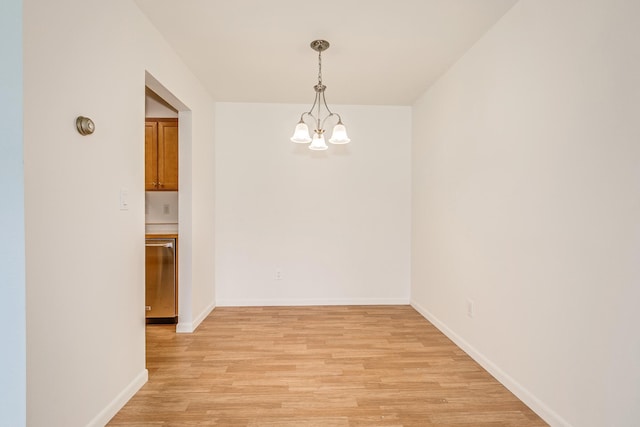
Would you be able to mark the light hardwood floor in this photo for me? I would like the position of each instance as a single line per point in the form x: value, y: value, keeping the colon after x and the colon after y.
x: 316, y: 366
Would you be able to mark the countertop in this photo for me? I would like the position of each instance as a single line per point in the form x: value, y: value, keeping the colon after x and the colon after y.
x: 160, y: 236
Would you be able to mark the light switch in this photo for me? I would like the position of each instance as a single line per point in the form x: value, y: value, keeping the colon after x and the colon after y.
x: 124, y: 199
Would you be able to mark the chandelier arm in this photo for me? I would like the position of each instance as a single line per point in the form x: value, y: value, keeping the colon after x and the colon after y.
x: 315, y: 101
x: 308, y: 113
x: 324, y: 101
x: 327, y: 118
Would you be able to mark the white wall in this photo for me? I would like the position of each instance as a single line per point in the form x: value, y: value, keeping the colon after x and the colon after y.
x: 526, y: 178
x: 12, y: 265
x: 85, y: 256
x: 335, y: 223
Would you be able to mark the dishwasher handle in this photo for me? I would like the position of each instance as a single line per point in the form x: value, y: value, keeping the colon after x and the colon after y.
x: 160, y: 245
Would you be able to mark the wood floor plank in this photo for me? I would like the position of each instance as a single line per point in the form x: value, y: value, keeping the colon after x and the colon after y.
x: 316, y: 366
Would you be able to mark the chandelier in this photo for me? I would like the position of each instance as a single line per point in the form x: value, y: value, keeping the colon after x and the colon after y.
x: 301, y: 134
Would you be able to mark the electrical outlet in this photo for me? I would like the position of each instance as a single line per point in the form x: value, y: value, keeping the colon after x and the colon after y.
x: 165, y: 209
x: 471, y: 308
x: 278, y: 275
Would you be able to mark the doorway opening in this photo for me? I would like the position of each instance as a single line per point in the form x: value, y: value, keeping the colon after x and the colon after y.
x: 167, y: 205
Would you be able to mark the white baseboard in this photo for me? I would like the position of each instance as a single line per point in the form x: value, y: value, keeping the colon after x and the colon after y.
x: 309, y: 302
x: 511, y: 384
x: 190, y: 327
x: 120, y: 400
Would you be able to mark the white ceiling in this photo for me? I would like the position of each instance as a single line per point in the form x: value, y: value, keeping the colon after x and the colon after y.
x: 383, y: 52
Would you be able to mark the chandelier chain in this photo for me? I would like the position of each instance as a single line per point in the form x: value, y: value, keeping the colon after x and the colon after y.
x: 320, y: 67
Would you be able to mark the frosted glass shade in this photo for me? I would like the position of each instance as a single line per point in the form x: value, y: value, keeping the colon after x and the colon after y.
x: 339, y: 135
x: 301, y: 134
x: 318, y: 142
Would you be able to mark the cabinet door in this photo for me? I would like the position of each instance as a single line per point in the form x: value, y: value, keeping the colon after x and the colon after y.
x: 150, y: 155
x: 168, y: 155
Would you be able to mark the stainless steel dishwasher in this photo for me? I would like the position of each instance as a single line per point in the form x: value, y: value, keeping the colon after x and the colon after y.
x: 160, y: 277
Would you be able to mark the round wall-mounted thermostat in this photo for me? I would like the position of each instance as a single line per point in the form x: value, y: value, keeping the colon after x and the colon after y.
x: 85, y: 125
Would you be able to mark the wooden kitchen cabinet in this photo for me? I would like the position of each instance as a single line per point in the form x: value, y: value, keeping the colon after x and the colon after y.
x: 161, y: 154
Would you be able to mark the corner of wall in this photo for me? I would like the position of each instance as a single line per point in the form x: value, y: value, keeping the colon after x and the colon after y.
x: 505, y: 379
x: 190, y: 327
x: 120, y: 400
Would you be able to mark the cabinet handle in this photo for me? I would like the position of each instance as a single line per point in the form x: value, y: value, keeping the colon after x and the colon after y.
x: 161, y: 184
x: 155, y: 184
